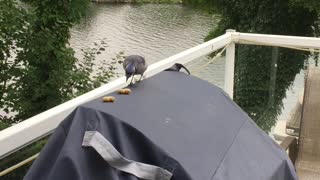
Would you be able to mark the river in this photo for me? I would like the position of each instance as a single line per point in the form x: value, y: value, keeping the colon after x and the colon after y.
x: 155, y: 31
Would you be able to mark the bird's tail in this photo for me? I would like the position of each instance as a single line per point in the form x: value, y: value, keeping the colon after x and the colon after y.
x: 178, y: 67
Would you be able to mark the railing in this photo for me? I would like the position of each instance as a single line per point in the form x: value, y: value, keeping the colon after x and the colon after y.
x: 32, y: 129
x: 290, y: 144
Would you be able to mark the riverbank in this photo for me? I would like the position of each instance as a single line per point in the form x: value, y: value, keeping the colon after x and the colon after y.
x: 160, y: 1
x: 140, y: 1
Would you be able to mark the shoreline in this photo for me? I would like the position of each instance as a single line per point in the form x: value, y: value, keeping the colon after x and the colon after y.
x: 139, y: 1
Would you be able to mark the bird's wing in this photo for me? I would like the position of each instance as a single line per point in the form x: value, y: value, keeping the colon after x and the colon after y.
x: 141, y: 60
x: 125, y: 63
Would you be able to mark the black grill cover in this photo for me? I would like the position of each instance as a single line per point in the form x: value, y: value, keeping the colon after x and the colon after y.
x: 175, y: 121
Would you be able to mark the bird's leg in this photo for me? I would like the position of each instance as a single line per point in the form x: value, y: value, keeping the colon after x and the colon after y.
x: 131, y: 80
x: 141, y: 76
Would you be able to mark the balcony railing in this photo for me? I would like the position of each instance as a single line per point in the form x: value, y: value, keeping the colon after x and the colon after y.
x: 34, y: 128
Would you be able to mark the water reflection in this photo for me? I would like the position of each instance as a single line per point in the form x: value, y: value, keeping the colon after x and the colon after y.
x: 155, y: 31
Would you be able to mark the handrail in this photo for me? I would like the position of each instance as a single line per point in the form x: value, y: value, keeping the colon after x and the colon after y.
x: 276, y: 40
x: 34, y: 128
x: 291, y: 144
x: 20, y: 164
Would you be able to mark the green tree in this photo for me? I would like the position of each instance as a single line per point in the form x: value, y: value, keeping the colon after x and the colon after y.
x: 260, y: 93
x: 48, y: 59
x: 269, y: 17
x: 14, y: 23
x: 263, y: 74
x: 38, y: 69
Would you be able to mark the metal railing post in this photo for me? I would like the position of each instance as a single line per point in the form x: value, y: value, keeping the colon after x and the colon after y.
x: 229, y: 67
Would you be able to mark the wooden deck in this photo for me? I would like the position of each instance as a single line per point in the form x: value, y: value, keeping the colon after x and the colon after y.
x: 308, y: 160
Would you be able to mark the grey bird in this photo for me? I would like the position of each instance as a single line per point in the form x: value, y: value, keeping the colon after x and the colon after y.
x: 134, y: 65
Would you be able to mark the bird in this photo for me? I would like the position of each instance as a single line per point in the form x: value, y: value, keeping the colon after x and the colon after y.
x: 134, y: 65
x: 178, y: 67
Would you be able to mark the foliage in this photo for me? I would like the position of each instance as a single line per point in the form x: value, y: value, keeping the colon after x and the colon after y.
x: 205, y: 5
x: 14, y: 23
x: 47, y: 59
x: 3, y: 125
x: 258, y: 92
x: 268, y: 17
x: 86, y: 75
x: 263, y: 74
x: 159, y: 1
x: 199, y: 2
x: 313, y: 5
x: 18, y: 157
x: 83, y: 78
x: 252, y: 86
x: 38, y: 68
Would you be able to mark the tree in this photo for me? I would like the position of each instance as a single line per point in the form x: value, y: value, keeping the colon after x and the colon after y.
x: 313, y: 5
x: 260, y: 93
x: 48, y: 59
x: 14, y: 23
x: 285, y: 17
x: 38, y: 67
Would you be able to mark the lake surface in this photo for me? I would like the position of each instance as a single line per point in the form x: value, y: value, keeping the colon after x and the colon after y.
x: 157, y: 31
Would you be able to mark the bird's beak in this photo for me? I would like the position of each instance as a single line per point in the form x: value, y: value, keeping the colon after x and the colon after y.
x: 127, y: 77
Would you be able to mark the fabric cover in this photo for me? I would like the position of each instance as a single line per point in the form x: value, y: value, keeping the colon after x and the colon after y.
x: 173, y: 121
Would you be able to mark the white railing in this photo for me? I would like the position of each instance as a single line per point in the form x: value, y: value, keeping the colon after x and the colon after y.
x: 30, y: 130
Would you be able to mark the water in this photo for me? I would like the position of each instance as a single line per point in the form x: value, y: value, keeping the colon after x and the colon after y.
x: 155, y: 31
